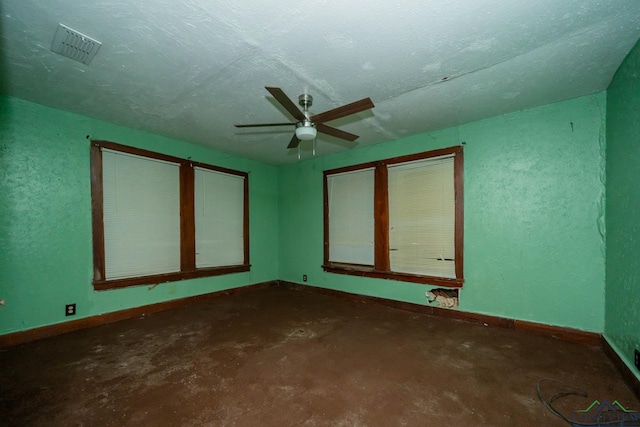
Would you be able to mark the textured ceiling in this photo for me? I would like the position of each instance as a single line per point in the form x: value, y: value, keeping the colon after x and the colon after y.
x: 191, y: 69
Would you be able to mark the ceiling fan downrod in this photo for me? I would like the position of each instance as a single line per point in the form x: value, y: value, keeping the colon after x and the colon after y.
x: 305, y: 100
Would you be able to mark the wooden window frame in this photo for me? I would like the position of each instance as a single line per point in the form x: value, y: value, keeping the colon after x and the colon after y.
x: 381, y: 268
x: 188, y: 268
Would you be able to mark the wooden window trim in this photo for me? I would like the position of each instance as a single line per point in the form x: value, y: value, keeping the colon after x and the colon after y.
x: 188, y: 268
x: 381, y: 218
x: 381, y: 268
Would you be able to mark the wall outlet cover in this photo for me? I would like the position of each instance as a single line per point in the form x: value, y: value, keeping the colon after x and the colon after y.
x: 637, y: 358
x: 70, y: 310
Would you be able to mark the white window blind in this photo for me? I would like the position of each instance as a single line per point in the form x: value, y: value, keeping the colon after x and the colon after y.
x: 219, y: 213
x: 351, y: 221
x: 422, y: 217
x: 141, y: 211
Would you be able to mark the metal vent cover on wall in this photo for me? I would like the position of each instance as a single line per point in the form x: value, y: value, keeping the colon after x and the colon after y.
x: 72, y: 44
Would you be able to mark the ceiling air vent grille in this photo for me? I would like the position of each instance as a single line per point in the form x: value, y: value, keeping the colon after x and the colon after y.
x: 72, y: 44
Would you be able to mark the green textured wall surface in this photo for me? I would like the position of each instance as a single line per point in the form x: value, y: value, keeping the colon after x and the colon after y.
x: 45, y: 217
x: 622, y: 319
x: 534, y: 214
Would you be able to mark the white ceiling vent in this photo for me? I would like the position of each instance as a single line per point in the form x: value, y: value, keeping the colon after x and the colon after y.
x: 72, y: 44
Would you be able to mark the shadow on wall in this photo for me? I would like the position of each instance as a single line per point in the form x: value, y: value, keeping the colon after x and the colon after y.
x: 4, y: 145
x: 4, y: 105
x: 3, y: 69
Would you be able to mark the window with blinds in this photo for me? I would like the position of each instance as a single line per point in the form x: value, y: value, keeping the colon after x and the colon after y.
x: 159, y: 218
x: 219, y: 203
x: 422, y: 218
x: 399, y: 218
x: 351, y: 217
x: 141, y: 215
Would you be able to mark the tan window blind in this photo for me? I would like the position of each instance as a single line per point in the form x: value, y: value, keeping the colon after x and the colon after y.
x: 141, y: 199
x: 219, y: 214
x: 351, y: 222
x: 422, y: 217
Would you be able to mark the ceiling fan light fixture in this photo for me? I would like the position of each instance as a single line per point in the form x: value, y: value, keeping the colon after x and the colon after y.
x: 306, y: 132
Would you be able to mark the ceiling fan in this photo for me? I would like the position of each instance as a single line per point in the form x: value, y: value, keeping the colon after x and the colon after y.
x: 307, y: 125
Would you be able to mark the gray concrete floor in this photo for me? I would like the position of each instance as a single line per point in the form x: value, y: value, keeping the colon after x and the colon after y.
x: 281, y: 357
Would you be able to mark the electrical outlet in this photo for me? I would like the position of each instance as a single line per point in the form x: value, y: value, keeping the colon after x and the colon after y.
x: 304, y: 277
x: 70, y: 310
x: 637, y: 358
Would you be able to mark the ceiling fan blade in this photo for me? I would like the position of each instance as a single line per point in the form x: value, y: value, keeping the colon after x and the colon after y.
x: 345, y: 110
x: 286, y: 102
x: 294, y: 142
x: 336, y: 132
x: 255, y: 125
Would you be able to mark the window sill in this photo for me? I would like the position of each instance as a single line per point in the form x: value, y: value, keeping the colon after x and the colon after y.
x: 156, y: 279
x: 368, y: 271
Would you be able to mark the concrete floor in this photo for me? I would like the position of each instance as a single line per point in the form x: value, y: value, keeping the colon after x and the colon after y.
x: 280, y: 357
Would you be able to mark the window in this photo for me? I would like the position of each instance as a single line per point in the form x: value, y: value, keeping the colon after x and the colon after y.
x: 141, y: 211
x: 219, y: 203
x: 158, y: 218
x: 351, y: 200
x: 399, y: 218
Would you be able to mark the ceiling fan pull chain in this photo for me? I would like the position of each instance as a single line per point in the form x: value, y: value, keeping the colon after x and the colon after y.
x: 298, y: 151
x: 314, y: 147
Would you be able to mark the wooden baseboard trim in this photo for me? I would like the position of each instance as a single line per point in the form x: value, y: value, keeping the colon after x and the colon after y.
x: 592, y: 339
x: 629, y: 377
x: 21, y: 337
x: 564, y: 334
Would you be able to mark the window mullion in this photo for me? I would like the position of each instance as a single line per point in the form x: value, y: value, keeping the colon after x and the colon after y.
x: 381, y: 215
x: 245, y: 221
x: 97, y: 208
x: 458, y: 176
x: 187, y: 221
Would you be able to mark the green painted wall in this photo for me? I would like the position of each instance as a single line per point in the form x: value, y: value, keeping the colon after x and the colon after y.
x: 622, y: 318
x: 534, y: 215
x: 534, y: 249
x: 45, y: 217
